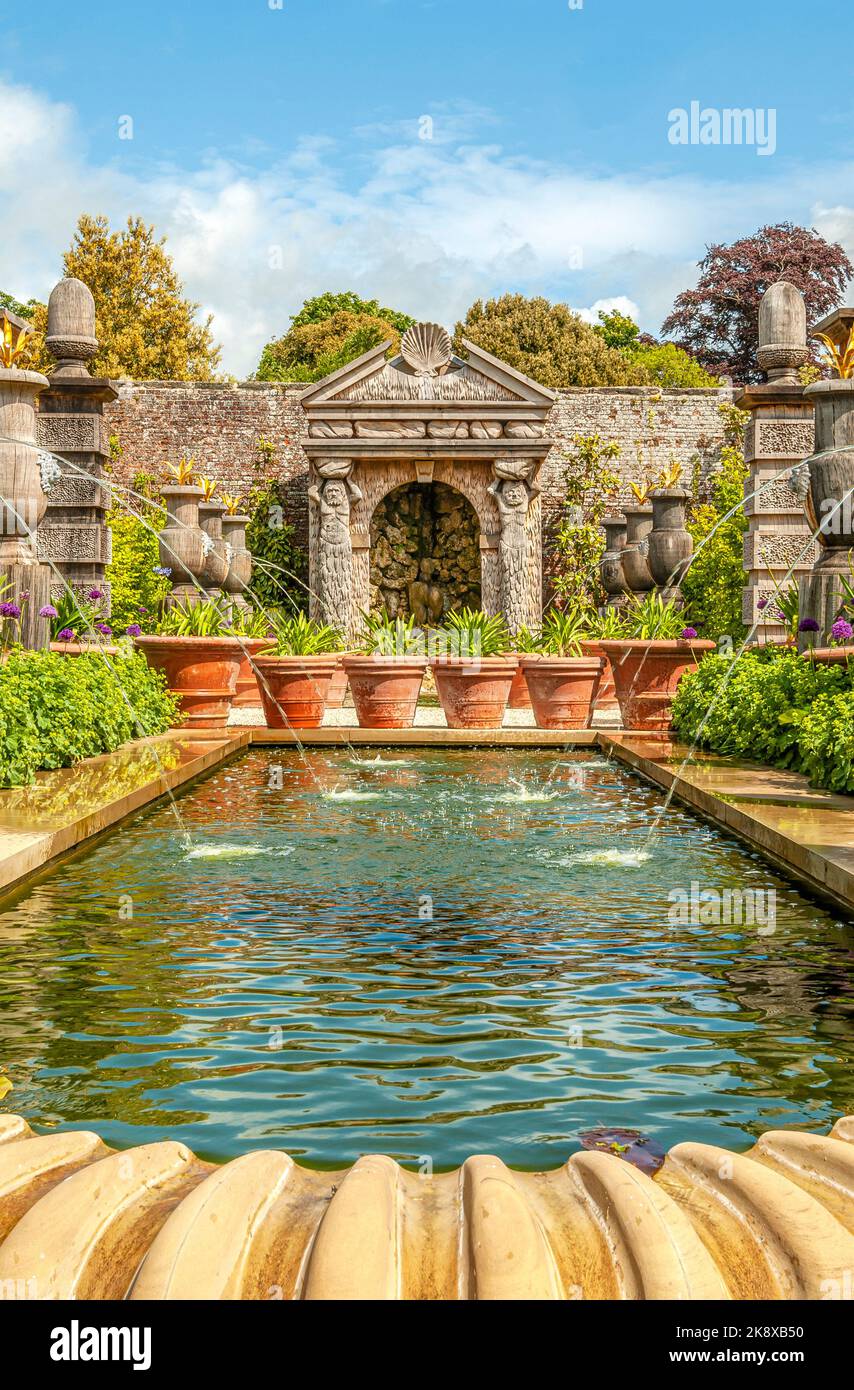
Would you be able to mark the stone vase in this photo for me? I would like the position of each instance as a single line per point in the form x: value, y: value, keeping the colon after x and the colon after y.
x: 832, y: 470
x: 670, y: 542
x: 240, y: 558
x: 217, y: 559
x: 182, y: 540
x: 611, y: 564
x: 636, y: 571
x: 22, y: 504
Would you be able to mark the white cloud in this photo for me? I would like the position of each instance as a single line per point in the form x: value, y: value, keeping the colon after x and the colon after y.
x: 622, y: 304
x: 427, y: 226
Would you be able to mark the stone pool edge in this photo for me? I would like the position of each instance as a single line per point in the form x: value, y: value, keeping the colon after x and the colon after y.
x: 806, y: 834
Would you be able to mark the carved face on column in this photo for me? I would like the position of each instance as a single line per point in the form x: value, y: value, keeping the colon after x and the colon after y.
x: 335, y: 496
x: 515, y: 495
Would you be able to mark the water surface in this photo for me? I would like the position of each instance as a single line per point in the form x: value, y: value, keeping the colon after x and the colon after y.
x: 458, y: 952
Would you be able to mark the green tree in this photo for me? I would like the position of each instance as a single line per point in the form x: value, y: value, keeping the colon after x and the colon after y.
x: 137, y: 593
x: 666, y: 363
x: 547, y: 342
x: 713, y: 586
x: 328, y: 332
x: 589, y: 481
x: 146, y: 328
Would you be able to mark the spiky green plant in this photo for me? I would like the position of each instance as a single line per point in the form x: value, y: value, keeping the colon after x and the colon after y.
x: 471, y: 632
x: 651, y: 619
x: 563, y: 632
x: 387, y: 636
x: 302, y: 636
x: 207, y: 618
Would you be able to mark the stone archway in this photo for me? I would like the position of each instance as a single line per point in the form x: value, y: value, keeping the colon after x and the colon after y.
x: 425, y: 534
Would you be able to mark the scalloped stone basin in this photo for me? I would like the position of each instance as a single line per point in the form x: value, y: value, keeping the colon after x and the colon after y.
x: 646, y: 675
x: 563, y: 689
x: 294, y: 689
x: 474, y: 691
x: 385, y: 690
x: 201, y: 671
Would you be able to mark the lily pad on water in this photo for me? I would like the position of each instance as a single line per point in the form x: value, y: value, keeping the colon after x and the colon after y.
x: 636, y: 1148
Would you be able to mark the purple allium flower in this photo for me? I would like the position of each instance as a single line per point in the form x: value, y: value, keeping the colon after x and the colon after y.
x: 142, y: 610
x: 104, y: 629
x: 9, y: 610
x: 763, y: 603
x: 134, y: 630
x: 25, y: 594
x: 94, y: 595
x: 808, y: 625
x: 48, y: 611
x: 66, y: 635
x: 163, y: 570
x: 689, y: 633
x: 842, y: 631
x: 778, y: 614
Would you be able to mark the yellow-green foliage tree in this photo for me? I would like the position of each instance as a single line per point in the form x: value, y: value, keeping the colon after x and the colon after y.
x: 328, y: 332
x: 547, y: 342
x: 146, y: 328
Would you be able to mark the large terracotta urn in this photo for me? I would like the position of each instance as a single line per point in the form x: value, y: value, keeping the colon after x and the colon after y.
x: 611, y: 564
x: 647, y: 675
x: 473, y: 691
x: 294, y: 689
x: 217, y: 558
x: 182, y: 541
x: 563, y: 689
x: 670, y: 542
x: 636, y: 571
x: 385, y: 689
x: 201, y: 671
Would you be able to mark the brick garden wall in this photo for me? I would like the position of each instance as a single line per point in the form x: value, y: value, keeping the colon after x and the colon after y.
x: 220, y: 425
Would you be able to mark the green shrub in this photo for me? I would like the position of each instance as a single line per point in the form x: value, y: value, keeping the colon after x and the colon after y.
x: 279, y: 568
x: 713, y: 587
x: 137, y: 593
x: 55, y: 710
x: 772, y: 706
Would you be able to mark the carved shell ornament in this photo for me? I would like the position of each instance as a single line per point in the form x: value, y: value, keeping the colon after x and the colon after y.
x: 426, y: 348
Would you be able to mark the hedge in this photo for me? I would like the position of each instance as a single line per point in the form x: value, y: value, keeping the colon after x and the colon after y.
x: 775, y: 707
x: 56, y: 709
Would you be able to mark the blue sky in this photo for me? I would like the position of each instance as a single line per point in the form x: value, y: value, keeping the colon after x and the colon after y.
x: 281, y: 150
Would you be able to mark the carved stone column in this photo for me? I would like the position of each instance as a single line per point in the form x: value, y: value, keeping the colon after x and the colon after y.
x: 24, y: 582
x: 332, y: 495
x: 779, y: 436
x: 516, y: 496
x: 75, y: 536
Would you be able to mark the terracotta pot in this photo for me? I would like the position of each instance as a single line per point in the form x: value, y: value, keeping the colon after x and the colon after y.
x: 606, y: 699
x: 830, y: 656
x: 294, y: 689
x: 338, y: 687
x: 83, y: 649
x: 646, y: 675
x: 248, y: 694
x: 563, y: 689
x: 385, y: 689
x: 520, y: 695
x: 473, y: 691
x: 202, y: 671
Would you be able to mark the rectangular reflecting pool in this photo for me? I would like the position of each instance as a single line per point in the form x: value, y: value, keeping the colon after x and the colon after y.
x: 424, y: 953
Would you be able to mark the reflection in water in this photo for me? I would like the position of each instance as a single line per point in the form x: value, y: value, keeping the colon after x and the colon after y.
x: 439, y: 972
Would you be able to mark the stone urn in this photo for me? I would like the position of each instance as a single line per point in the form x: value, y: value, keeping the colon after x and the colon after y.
x: 240, y: 558
x: 22, y: 499
x: 611, y: 564
x: 22, y: 504
x: 832, y: 470
x: 217, y: 557
x: 670, y: 542
x: 636, y: 571
x: 182, y: 541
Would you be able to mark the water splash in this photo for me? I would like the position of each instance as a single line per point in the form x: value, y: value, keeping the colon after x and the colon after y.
x: 224, y: 852
x: 523, y: 795
x: 380, y: 761
x: 349, y: 794
x: 625, y: 858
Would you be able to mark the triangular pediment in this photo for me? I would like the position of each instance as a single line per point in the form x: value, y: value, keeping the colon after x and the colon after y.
x: 373, y: 379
